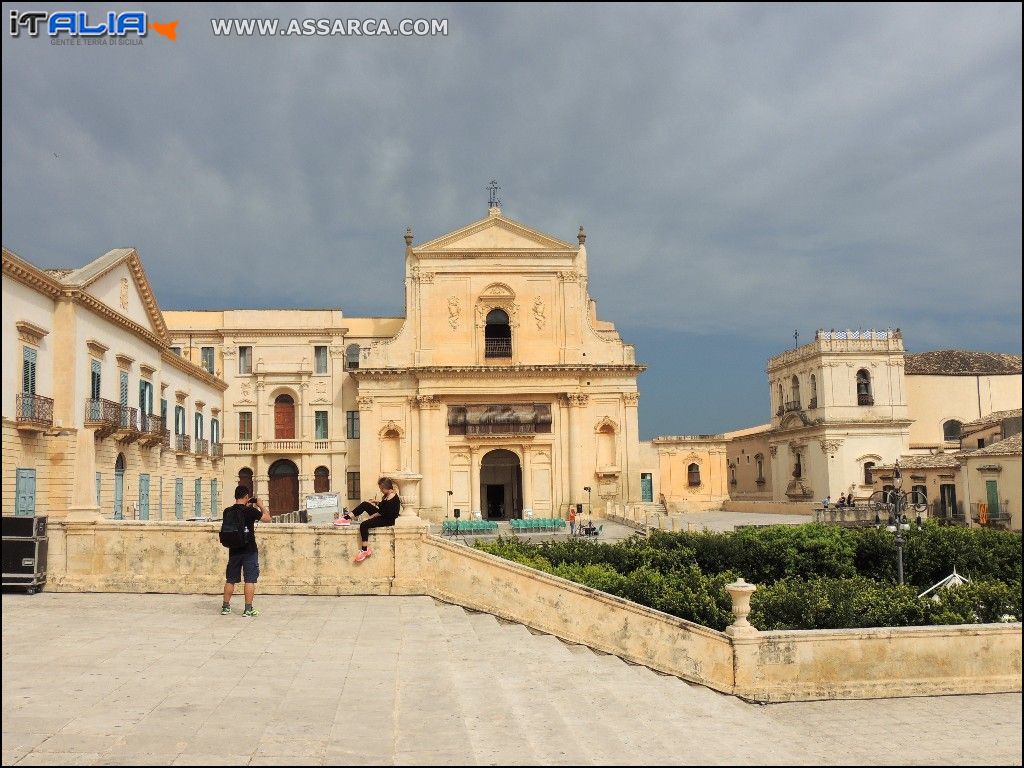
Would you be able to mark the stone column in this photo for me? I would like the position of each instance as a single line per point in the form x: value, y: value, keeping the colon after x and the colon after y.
x: 369, y: 450
x: 83, y: 495
x: 576, y: 402
x: 474, y: 479
x: 257, y: 422
x: 427, y: 404
x: 527, y: 479
x: 631, y: 433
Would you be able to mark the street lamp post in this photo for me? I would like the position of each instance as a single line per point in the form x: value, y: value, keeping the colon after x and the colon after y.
x: 590, y: 503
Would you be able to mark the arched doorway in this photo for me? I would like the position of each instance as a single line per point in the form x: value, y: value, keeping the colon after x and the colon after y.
x: 501, y: 485
x: 119, y: 487
x: 284, y: 418
x: 497, y: 334
x: 321, y: 480
x: 284, y: 487
x: 245, y: 478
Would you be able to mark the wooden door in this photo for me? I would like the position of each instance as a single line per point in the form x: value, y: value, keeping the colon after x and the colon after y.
x: 284, y: 418
x: 143, y: 497
x: 284, y: 494
x: 25, y: 492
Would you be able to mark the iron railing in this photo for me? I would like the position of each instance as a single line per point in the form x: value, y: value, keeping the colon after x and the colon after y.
x: 202, y: 447
x: 182, y: 443
x: 792, y: 405
x: 997, y: 516
x: 128, y: 418
x: 102, y: 415
x: 863, y: 399
x: 35, y: 410
x: 497, y: 347
x: 217, y: 450
x: 165, y: 438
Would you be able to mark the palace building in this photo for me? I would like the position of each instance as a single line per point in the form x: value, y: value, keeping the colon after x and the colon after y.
x: 499, y: 392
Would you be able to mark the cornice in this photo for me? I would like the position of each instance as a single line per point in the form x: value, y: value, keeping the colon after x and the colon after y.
x: 191, y: 369
x: 240, y: 335
x: 30, y: 333
x: 477, y: 371
x: 31, y: 276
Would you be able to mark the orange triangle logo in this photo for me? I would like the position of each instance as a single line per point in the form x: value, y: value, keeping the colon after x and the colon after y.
x: 168, y: 29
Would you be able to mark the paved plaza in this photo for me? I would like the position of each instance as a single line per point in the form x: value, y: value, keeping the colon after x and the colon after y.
x: 113, y: 679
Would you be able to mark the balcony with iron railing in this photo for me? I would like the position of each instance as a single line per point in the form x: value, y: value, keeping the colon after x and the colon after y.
x: 165, y: 439
x: 152, y: 429
x: 217, y: 450
x: 202, y: 447
x: 947, y: 514
x: 865, y: 399
x: 128, y: 424
x: 792, y: 405
x: 102, y: 415
x: 501, y: 428
x: 35, y: 412
x: 993, y: 516
x: 498, y: 348
x: 182, y: 444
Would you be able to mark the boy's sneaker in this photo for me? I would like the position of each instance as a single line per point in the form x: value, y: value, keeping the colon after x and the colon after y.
x: 251, y: 612
x: 363, y: 554
x: 225, y: 610
x: 343, y: 521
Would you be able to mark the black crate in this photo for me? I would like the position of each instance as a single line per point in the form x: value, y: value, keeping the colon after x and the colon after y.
x: 24, y: 527
x: 24, y: 563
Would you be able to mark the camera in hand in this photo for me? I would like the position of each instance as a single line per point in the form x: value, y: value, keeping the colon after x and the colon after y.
x: 252, y: 500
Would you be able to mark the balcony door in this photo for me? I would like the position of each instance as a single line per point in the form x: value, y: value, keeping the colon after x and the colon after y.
x: 284, y: 418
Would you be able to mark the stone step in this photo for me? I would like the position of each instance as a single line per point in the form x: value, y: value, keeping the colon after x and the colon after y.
x: 494, y: 735
x: 543, y: 695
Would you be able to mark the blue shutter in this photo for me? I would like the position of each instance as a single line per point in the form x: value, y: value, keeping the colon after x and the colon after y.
x: 179, y: 498
x: 28, y: 371
x: 160, y: 499
x: 99, y: 487
x: 143, y: 497
x: 124, y: 388
x: 119, y: 494
x: 213, y: 499
x: 25, y: 492
x: 199, y: 497
x: 95, y: 380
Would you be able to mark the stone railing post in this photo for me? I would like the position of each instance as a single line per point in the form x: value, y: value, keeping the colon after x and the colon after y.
x: 740, y: 592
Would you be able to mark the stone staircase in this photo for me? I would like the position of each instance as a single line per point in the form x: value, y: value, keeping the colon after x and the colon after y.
x: 529, y: 699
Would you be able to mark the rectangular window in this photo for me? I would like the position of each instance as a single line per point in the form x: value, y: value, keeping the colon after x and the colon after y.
x: 245, y: 426
x: 353, y: 484
x: 245, y: 360
x: 352, y: 426
x: 179, y: 419
x: 981, y: 442
x: 163, y: 411
x: 199, y: 426
x: 145, y: 397
x: 94, y: 381
x: 176, y: 350
x: 207, y: 355
x: 214, y: 431
x: 124, y: 388
x: 28, y: 371
x: 320, y: 359
x: 320, y: 423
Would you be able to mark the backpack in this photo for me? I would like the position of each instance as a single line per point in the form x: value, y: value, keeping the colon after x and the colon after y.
x: 233, y: 533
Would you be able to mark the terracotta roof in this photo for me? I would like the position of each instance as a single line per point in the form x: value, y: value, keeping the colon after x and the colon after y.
x: 1008, y: 447
x: 961, y: 362
x: 993, y: 418
x: 925, y: 461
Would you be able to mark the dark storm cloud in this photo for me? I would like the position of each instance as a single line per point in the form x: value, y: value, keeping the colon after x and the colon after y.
x: 741, y: 170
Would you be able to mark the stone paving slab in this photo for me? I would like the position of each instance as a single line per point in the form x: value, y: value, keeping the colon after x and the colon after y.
x: 109, y: 679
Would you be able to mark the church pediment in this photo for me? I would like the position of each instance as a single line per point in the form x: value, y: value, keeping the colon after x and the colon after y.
x: 495, y: 233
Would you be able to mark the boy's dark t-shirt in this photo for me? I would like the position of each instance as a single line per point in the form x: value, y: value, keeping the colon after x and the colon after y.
x: 250, y: 514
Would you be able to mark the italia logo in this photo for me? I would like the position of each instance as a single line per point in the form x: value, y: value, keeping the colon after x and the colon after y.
x: 81, y: 24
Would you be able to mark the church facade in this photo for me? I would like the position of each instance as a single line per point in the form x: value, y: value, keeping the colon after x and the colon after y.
x: 500, y: 392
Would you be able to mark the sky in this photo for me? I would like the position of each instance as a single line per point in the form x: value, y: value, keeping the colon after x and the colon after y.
x: 743, y: 172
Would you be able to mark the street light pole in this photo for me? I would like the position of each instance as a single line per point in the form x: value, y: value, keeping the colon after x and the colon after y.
x: 590, y: 502
x: 897, y: 497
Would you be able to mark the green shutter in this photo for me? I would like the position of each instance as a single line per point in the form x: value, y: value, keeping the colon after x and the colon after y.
x: 28, y: 371
x: 94, y: 389
x: 124, y: 388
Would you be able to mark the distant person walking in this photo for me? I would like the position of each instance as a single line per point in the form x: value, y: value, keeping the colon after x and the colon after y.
x: 243, y: 515
x: 382, y: 514
x: 572, y: 522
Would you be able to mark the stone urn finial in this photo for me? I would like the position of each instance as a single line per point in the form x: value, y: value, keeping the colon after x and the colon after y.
x: 408, y: 236
x: 582, y: 236
x: 740, y: 592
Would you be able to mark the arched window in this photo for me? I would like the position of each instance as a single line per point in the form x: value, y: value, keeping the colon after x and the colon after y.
x: 798, y: 470
x: 245, y: 478
x: 606, y: 446
x: 759, y: 460
x: 352, y: 357
x: 814, y: 392
x: 951, y: 431
x: 693, y: 474
x: 284, y: 418
x: 321, y: 480
x: 864, y: 396
x: 782, y: 400
x: 497, y: 335
x: 868, y: 476
x: 794, y: 388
